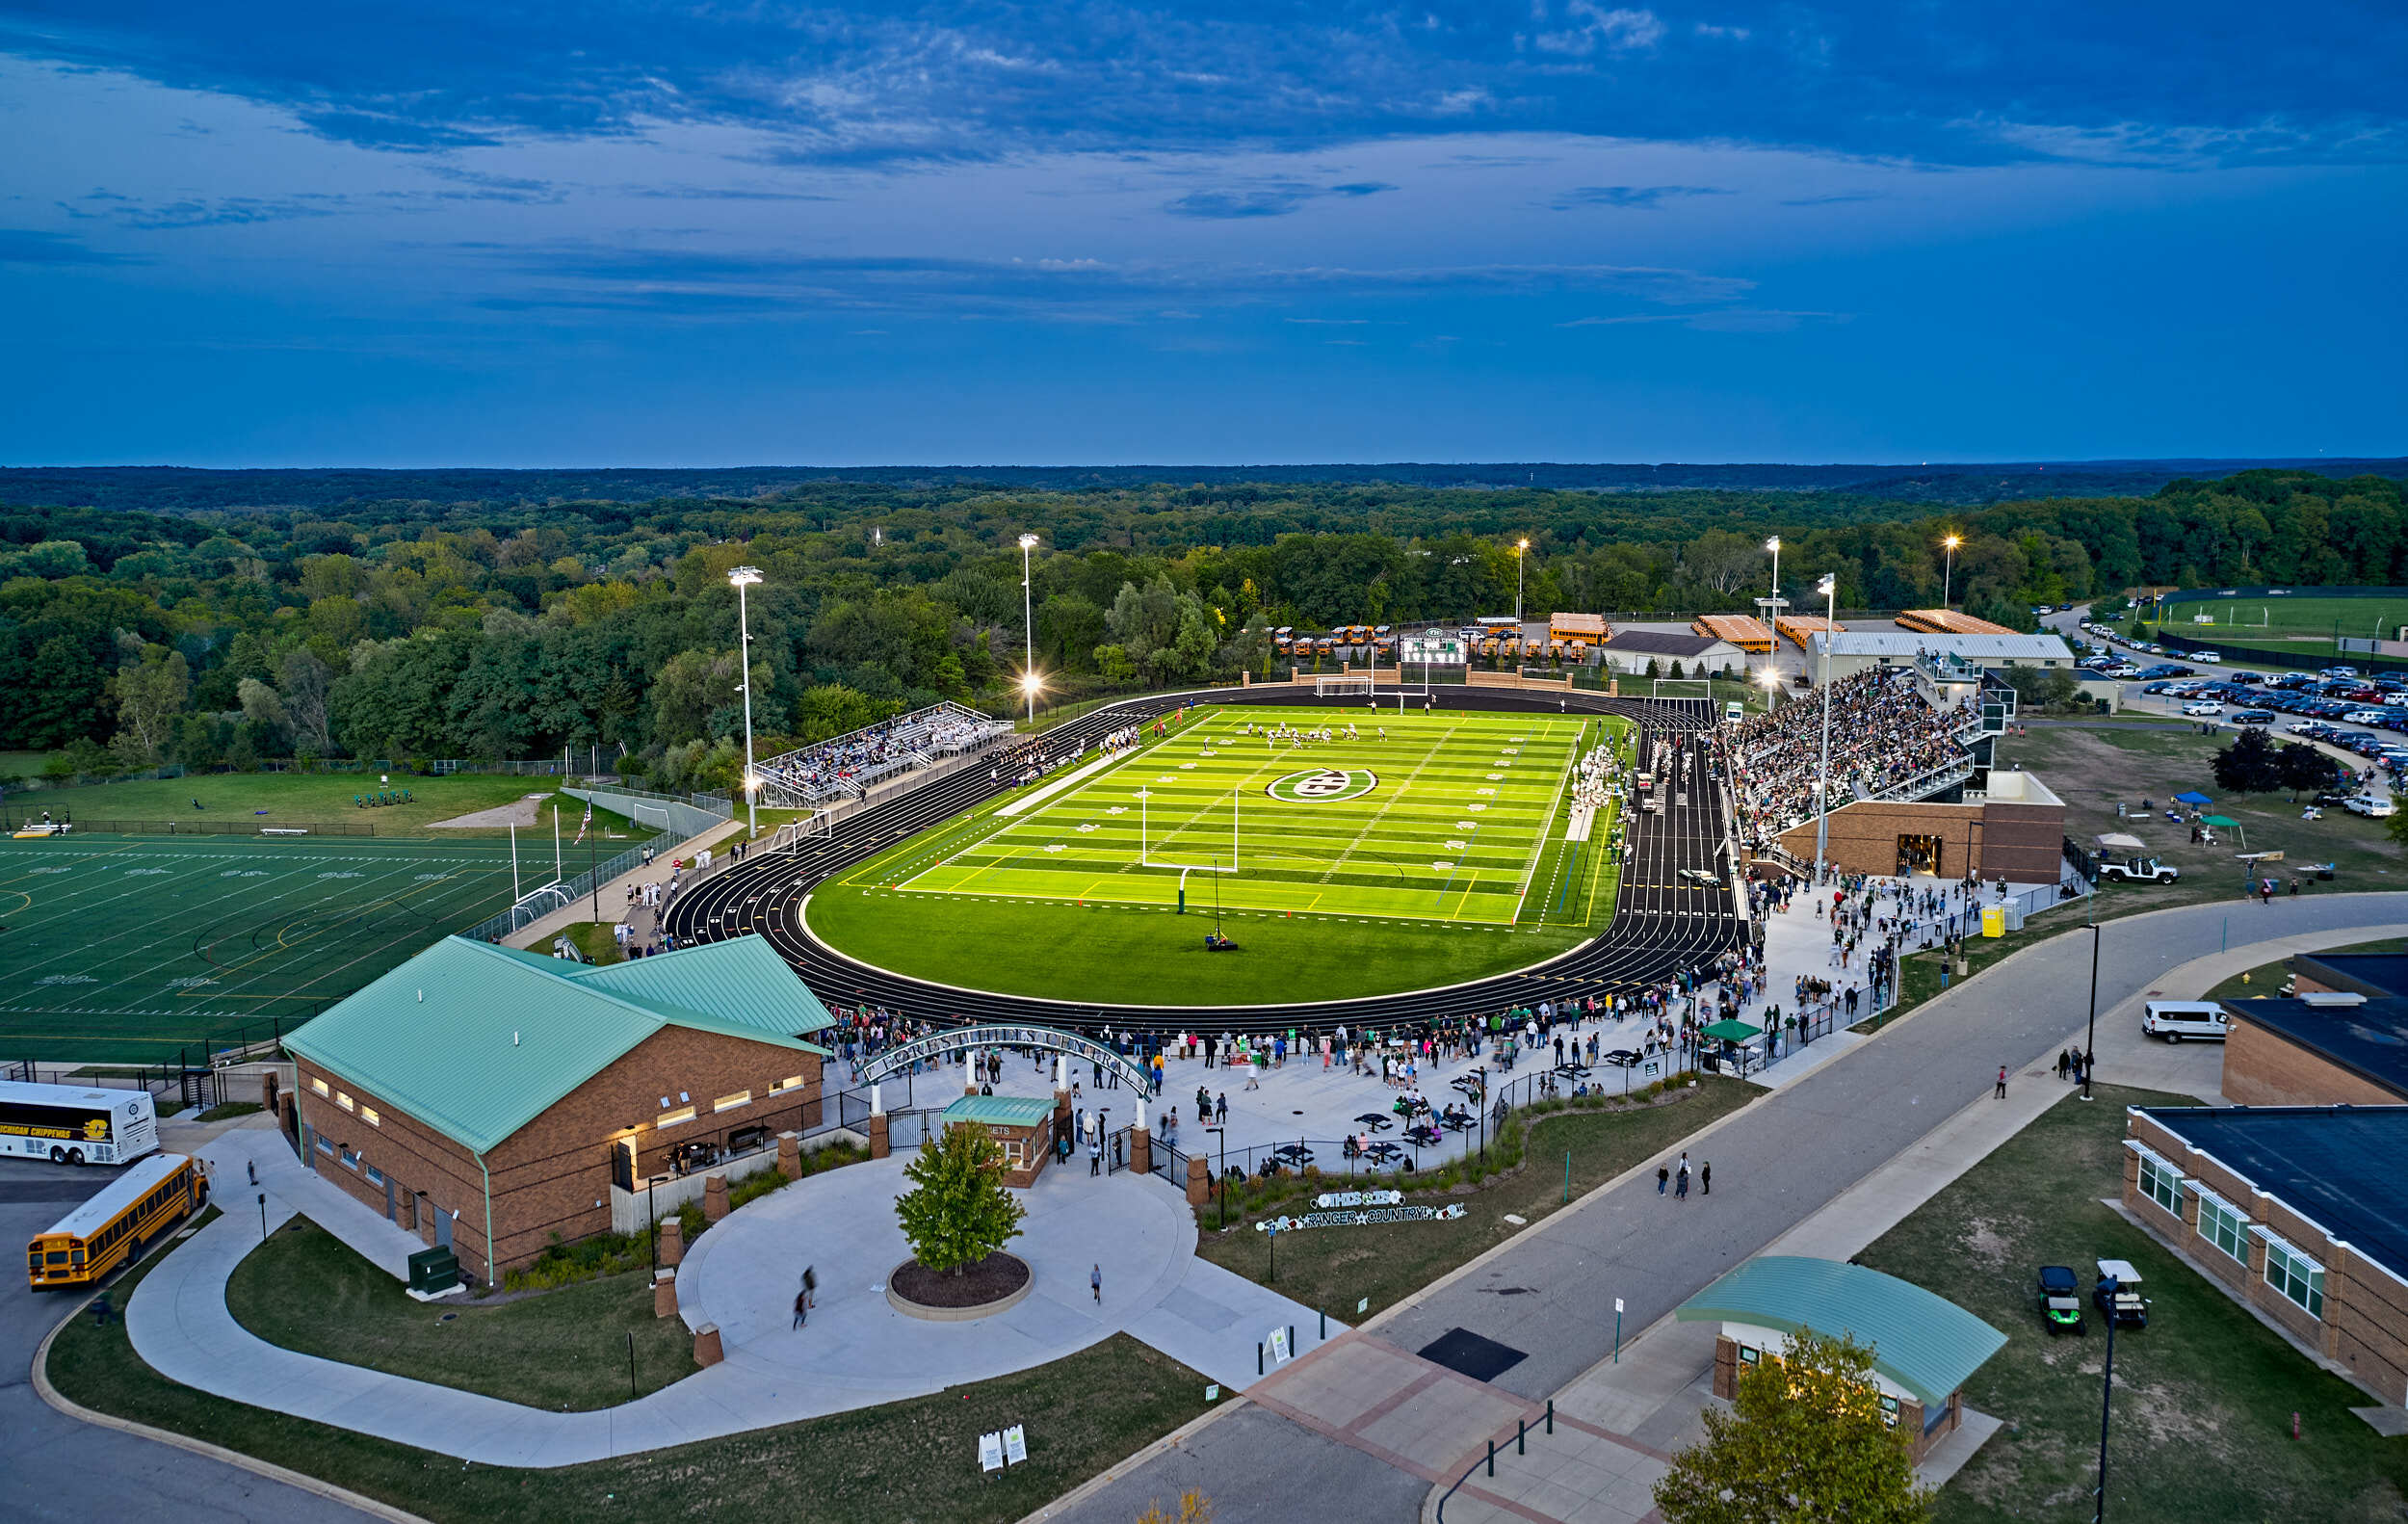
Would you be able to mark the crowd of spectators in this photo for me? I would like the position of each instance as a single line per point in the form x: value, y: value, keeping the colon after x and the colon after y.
x: 1884, y: 734
x: 862, y: 756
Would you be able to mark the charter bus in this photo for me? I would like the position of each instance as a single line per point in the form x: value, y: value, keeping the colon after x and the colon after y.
x: 76, y: 1123
x: 132, y: 1210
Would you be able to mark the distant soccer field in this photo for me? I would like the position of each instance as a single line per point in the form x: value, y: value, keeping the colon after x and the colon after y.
x: 124, y: 949
x: 2302, y: 625
x: 1441, y: 817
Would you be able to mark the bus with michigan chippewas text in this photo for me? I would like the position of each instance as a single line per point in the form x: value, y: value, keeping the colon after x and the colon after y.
x: 111, y: 1229
x: 76, y: 1123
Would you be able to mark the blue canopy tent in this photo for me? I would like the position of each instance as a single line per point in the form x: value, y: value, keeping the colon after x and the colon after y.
x: 2195, y: 797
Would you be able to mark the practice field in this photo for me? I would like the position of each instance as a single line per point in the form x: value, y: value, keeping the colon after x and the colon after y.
x: 1365, y: 860
x: 120, y: 949
x: 2304, y: 626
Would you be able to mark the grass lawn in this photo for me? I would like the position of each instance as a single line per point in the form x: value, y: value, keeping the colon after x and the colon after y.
x: 2203, y: 1395
x: 309, y: 799
x: 2266, y: 979
x: 2303, y: 627
x: 1437, y: 856
x: 1336, y: 1269
x: 2093, y: 767
x: 907, y: 1462
x: 565, y: 1350
x: 593, y: 939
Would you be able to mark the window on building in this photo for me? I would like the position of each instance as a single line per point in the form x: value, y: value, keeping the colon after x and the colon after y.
x: 2295, y: 1275
x: 2221, y: 1224
x: 325, y: 1146
x: 729, y: 1103
x: 318, y: 1085
x: 376, y: 1176
x: 1011, y: 1152
x: 682, y: 1114
x: 343, y: 1100
x: 792, y: 1082
x: 350, y: 1158
x: 2161, y: 1183
x: 368, y: 1115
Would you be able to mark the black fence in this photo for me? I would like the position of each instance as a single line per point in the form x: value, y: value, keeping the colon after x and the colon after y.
x: 169, y: 1084
x: 200, y: 825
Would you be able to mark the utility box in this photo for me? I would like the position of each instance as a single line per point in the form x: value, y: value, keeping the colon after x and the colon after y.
x: 434, y: 1272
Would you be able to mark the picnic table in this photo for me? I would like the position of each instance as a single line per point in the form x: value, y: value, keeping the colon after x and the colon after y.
x: 1376, y: 1121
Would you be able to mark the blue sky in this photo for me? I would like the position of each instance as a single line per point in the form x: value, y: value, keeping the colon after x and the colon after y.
x: 632, y: 233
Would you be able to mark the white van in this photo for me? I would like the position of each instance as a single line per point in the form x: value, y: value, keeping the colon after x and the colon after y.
x: 2177, y: 1019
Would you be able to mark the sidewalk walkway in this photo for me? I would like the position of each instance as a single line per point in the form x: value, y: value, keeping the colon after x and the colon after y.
x: 612, y: 895
x: 856, y: 1351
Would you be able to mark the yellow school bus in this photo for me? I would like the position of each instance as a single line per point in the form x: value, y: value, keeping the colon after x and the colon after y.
x: 132, y: 1210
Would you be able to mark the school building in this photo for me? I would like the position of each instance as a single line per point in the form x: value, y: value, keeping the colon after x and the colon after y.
x: 489, y: 1099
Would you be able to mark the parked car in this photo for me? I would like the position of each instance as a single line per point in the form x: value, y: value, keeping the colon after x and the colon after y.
x: 2060, y: 1298
x: 2372, y: 806
x: 2174, y: 1020
x: 2203, y: 708
x: 2253, y: 717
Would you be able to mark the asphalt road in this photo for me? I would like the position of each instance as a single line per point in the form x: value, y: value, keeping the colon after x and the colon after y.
x: 1775, y: 1163
x: 53, y: 1467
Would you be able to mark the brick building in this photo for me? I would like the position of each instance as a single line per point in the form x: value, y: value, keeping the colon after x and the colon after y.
x: 489, y: 1099
x: 2013, y: 828
x: 1925, y: 1347
x: 2321, y: 1048
x: 1023, y: 1124
x: 2377, y: 976
x: 2299, y: 1211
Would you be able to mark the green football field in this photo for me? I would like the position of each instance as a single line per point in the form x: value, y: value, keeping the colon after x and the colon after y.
x: 124, y: 949
x: 1360, y: 863
x: 2304, y: 626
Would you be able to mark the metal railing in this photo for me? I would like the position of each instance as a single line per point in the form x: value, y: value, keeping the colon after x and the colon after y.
x: 787, y: 777
x: 554, y: 896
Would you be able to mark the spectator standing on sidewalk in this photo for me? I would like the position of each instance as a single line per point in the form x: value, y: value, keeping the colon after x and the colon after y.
x: 2002, y: 1081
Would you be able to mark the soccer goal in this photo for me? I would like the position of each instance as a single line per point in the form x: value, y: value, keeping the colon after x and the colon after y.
x: 1342, y: 686
x: 790, y: 837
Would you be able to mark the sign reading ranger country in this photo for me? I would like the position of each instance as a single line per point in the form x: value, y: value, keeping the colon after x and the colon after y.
x: 1360, y: 1209
x: 1327, y: 786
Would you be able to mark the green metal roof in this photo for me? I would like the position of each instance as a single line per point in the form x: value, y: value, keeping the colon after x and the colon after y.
x: 1923, y: 1343
x: 477, y: 1040
x: 998, y: 1111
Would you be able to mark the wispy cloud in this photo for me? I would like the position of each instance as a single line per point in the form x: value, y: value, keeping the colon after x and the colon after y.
x: 1716, y: 320
x: 1271, y: 199
x: 28, y: 247
x: 1588, y: 27
x: 1632, y: 197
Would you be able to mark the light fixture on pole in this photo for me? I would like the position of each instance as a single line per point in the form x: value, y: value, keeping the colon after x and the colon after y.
x: 1028, y: 625
x: 744, y: 577
x: 1770, y: 682
x: 1830, y: 591
x: 1519, y: 547
x: 1947, y: 573
x: 1772, y: 609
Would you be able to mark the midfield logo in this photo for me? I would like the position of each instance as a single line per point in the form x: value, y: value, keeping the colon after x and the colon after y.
x: 1322, y: 785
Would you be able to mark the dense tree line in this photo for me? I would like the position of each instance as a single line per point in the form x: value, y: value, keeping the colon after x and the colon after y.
x: 478, y: 629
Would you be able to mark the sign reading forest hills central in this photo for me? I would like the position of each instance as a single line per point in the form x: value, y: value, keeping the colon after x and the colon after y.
x: 1325, y: 785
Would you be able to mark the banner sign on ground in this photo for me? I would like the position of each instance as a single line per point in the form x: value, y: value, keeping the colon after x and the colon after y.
x: 1361, y: 1218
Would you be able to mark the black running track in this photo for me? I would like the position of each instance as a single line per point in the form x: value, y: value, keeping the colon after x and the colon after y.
x: 1662, y: 925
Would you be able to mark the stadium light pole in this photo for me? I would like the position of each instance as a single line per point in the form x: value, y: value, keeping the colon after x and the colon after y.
x: 1947, y: 573
x: 1519, y: 547
x: 1772, y: 654
x: 744, y: 577
x: 1830, y: 591
x: 1028, y: 625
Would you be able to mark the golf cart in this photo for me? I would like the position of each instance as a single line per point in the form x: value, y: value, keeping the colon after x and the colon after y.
x: 2060, y: 1300
x: 2117, y: 1295
x: 2128, y: 858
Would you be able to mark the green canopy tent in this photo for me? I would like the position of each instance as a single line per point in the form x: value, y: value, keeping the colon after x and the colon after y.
x: 2227, y: 822
x: 1734, y: 1031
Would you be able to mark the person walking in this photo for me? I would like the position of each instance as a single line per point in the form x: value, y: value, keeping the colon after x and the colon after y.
x: 803, y: 1310
x: 1095, y: 1156
x: 1706, y: 1178
x: 810, y: 1287
x: 1221, y: 1107
x: 2064, y: 1061
x: 2002, y: 1081
x: 1095, y: 1283
x: 1664, y: 1179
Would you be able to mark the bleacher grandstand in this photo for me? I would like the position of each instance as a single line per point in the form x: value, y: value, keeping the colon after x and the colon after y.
x: 1749, y: 635
x: 1800, y: 629
x: 1947, y: 621
x: 847, y: 766
x: 1888, y: 741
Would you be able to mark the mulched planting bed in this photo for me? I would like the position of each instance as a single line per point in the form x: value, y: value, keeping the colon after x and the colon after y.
x: 991, y: 1279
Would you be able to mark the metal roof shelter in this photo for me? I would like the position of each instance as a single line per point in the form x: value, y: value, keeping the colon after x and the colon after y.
x: 1947, y: 621
x: 998, y: 1111
x: 477, y: 1040
x: 1921, y: 1343
x: 2333, y: 1164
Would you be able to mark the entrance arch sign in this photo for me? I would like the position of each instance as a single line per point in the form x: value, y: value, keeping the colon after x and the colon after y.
x: 1053, y: 1040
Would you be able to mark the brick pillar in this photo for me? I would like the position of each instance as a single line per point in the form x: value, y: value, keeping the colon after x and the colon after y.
x: 1199, y: 1182
x: 1140, y: 1150
x: 714, y: 1198
x: 268, y: 1092
x: 878, y: 1136
x: 665, y: 1294
x: 790, y: 1155
x: 672, y: 1241
x: 972, y: 1089
x: 707, y: 1352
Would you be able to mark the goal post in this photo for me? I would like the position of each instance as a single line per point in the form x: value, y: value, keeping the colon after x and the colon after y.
x: 1145, y: 852
x: 1350, y: 687
x: 790, y: 837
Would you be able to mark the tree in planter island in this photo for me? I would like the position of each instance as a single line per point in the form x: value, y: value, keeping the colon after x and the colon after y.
x: 959, y: 1210
x: 1805, y: 1441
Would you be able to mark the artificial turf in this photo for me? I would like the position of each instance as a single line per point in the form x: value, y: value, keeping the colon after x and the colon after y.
x: 2302, y: 626
x: 1440, y: 856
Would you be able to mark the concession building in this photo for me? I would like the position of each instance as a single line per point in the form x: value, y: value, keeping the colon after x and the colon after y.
x: 489, y: 1099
